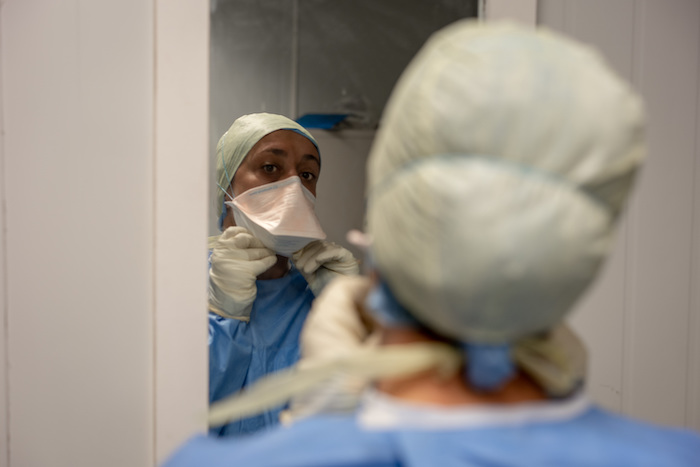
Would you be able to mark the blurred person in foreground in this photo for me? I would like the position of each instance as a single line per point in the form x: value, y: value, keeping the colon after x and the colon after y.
x: 270, y: 261
x: 499, y: 174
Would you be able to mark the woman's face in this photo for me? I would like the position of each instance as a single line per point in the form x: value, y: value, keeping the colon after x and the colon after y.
x: 279, y: 155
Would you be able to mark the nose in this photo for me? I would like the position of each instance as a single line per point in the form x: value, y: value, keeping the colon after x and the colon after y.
x: 290, y: 172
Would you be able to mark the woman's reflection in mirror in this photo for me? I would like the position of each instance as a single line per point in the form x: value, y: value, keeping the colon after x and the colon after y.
x: 271, y: 259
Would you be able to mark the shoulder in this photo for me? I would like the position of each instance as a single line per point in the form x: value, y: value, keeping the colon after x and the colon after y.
x: 641, y: 443
x: 323, y: 441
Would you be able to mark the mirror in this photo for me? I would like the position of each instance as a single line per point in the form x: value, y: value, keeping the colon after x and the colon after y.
x: 297, y: 57
x: 301, y: 57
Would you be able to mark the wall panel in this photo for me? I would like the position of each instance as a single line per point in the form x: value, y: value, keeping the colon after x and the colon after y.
x: 600, y: 316
x: 4, y: 388
x: 341, y: 187
x: 641, y: 319
x: 667, y: 55
x: 693, y: 400
x: 181, y: 208
x: 78, y: 115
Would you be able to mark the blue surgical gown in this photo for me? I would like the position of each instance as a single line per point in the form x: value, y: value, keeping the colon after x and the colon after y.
x: 498, y: 437
x: 240, y: 353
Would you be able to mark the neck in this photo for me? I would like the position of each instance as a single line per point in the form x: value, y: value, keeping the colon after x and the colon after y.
x: 277, y: 271
x: 428, y: 387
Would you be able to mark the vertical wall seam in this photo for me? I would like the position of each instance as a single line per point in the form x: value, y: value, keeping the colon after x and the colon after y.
x: 628, y: 301
x: 294, y: 78
x: 154, y: 245
x: 5, y: 269
x: 628, y: 236
x: 481, y: 10
x: 692, y: 401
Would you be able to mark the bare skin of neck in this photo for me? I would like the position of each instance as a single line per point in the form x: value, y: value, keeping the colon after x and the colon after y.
x: 430, y: 388
x: 277, y: 271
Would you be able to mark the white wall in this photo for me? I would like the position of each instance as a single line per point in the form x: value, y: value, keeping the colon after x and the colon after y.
x: 78, y: 114
x: 642, y: 320
x: 103, y: 234
x: 181, y: 205
x: 341, y: 187
x: 521, y: 11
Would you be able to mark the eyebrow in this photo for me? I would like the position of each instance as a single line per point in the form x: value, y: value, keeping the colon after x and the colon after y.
x: 313, y: 158
x: 283, y: 153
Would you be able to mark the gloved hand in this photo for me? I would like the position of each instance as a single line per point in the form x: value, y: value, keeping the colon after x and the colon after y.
x: 237, y: 258
x: 320, y: 262
x: 337, y: 325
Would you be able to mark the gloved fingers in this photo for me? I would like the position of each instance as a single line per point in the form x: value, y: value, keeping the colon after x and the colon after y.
x: 238, y: 257
x: 337, y: 259
x: 254, y: 254
x: 232, y: 232
x: 247, y: 240
x: 238, y: 238
x: 236, y: 260
x: 350, y: 267
x: 241, y: 247
x: 333, y: 252
x: 335, y: 324
x: 261, y: 265
x: 238, y: 273
x: 309, y: 251
x: 305, y: 260
x: 350, y: 293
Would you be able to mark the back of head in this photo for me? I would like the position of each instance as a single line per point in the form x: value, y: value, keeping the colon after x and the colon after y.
x: 496, y: 181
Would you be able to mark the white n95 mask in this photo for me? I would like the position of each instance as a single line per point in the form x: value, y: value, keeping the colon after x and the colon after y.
x: 281, y: 214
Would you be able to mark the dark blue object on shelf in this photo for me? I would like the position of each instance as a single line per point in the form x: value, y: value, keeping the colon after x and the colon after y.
x: 321, y: 121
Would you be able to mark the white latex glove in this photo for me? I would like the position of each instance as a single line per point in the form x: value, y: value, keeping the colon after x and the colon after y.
x: 320, y: 262
x: 237, y: 258
x: 337, y: 325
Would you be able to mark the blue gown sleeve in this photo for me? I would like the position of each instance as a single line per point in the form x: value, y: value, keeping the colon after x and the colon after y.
x: 241, y: 352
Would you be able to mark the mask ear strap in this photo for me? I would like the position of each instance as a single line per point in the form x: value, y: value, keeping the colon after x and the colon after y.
x: 226, y: 193
x: 228, y: 180
x: 223, y: 207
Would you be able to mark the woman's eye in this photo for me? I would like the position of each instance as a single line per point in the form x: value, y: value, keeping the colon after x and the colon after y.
x: 269, y: 168
x: 308, y: 176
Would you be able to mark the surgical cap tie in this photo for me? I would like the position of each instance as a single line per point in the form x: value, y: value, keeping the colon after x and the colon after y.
x: 489, y: 366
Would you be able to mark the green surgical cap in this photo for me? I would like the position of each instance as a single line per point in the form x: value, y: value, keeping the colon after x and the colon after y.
x: 235, y: 144
x: 496, y: 180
